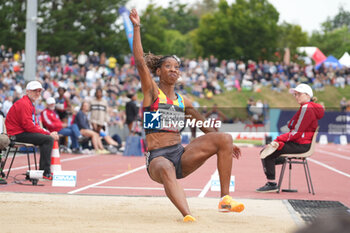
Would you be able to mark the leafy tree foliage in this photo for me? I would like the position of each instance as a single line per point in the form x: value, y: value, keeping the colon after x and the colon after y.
x: 180, y: 17
x: 340, y: 20
x: 334, y: 39
x: 247, y: 30
x: 176, y: 43
x: 67, y: 25
x: 13, y: 24
x: 202, y: 7
x: 333, y: 43
x: 291, y: 36
x: 80, y: 25
x: 153, y: 30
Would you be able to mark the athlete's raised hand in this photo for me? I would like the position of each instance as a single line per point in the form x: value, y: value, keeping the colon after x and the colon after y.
x: 134, y: 17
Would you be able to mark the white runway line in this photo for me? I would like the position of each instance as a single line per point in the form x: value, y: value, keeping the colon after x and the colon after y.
x: 329, y: 167
x: 341, y: 149
x: 107, y: 180
x: 38, y: 158
x: 139, y: 188
x: 334, y: 154
x: 207, y: 186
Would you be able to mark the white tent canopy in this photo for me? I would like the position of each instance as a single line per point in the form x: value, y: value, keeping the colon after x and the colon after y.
x: 345, y: 59
x: 308, y: 50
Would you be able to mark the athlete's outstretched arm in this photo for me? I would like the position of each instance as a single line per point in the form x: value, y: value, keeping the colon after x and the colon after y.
x: 149, y: 87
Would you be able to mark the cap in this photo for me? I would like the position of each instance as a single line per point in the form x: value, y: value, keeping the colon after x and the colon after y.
x: 303, y: 88
x: 50, y: 100
x: 33, y: 85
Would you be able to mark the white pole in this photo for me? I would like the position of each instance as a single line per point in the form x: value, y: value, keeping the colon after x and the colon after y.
x: 31, y: 41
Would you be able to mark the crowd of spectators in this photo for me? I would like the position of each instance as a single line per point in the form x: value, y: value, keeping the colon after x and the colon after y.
x: 81, y: 74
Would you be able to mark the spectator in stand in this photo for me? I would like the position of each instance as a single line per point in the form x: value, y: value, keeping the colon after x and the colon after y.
x: 99, y: 118
x: 22, y: 126
x: 98, y: 111
x: 343, y: 104
x: 52, y: 122
x: 82, y: 59
x: 63, y: 106
x: 81, y: 119
x: 132, y: 112
x: 112, y: 64
x: 7, y: 104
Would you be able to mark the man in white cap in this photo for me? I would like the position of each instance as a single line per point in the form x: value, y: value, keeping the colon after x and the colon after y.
x: 302, y: 127
x: 22, y: 126
x: 52, y: 122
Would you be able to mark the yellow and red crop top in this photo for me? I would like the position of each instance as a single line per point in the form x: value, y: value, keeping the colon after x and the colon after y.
x: 172, y: 113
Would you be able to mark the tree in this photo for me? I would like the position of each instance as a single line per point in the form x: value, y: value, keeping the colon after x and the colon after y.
x: 340, y: 20
x: 80, y: 25
x: 333, y: 43
x: 67, y: 25
x: 202, y: 7
x: 176, y: 43
x: 153, y: 30
x: 246, y: 30
x: 180, y: 17
x: 334, y: 38
x: 291, y: 36
x: 12, y: 24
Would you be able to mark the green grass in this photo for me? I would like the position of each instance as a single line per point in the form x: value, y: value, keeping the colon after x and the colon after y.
x: 252, y: 142
x: 235, y: 101
x: 330, y: 97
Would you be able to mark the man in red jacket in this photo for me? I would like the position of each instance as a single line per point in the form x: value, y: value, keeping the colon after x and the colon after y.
x: 298, y: 140
x: 22, y: 126
x: 52, y: 122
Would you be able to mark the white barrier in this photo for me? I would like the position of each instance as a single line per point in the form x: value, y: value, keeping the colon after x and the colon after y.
x: 323, y: 140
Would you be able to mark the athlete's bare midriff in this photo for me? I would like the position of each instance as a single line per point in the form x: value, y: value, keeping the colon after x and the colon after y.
x: 162, y: 139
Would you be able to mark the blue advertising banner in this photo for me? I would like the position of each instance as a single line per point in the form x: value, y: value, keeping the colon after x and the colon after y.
x: 129, y: 28
x: 333, y: 124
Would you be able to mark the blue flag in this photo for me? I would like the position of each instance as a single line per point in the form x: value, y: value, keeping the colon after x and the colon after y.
x: 129, y: 28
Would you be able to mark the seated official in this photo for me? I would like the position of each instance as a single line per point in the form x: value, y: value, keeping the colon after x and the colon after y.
x: 22, y: 126
x: 302, y: 127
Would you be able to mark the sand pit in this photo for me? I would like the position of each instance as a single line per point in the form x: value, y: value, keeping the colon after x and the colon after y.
x: 23, y: 212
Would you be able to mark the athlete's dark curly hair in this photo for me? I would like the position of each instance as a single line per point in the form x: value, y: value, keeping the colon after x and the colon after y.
x: 154, y: 62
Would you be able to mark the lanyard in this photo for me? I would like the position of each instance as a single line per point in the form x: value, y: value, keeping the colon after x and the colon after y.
x: 33, y: 114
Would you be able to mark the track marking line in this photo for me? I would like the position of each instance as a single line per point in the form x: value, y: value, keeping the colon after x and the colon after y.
x: 207, y: 186
x: 107, y: 180
x: 334, y: 154
x: 329, y: 167
x: 62, y: 160
x: 341, y: 149
x: 138, y: 188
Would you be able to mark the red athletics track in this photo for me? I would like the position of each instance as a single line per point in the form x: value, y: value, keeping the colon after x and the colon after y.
x: 124, y: 175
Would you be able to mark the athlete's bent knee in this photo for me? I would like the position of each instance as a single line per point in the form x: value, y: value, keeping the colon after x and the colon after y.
x: 225, y: 139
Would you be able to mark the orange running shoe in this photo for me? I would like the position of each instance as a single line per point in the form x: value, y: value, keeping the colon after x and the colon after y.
x: 227, y: 204
x: 189, y: 218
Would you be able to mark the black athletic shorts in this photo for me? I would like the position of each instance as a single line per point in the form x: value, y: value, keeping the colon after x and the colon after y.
x: 172, y: 153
